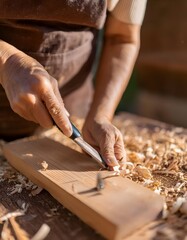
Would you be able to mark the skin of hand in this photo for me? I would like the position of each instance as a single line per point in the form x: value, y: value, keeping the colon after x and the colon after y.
x: 31, y: 91
x: 121, y: 46
x: 106, y: 139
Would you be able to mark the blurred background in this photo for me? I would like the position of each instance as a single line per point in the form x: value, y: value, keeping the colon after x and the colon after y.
x: 158, y: 86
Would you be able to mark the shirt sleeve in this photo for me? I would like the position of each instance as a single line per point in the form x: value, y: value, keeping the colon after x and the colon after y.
x: 128, y: 11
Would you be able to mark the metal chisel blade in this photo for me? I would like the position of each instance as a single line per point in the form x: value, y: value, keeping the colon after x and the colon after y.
x: 91, y: 151
x: 76, y: 137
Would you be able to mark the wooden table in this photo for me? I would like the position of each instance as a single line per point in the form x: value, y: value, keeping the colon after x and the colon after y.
x: 43, y: 208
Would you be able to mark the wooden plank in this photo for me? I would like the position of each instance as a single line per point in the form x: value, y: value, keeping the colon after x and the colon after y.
x: 118, y: 210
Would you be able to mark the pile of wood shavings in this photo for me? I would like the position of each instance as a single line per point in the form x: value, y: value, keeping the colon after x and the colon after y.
x: 159, y: 159
x: 17, y: 181
x: 156, y: 157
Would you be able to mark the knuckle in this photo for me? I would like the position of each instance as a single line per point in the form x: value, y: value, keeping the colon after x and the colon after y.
x: 24, y: 105
x: 44, y: 84
x: 55, y: 110
x: 16, y: 104
x: 54, y: 82
x: 41, y: 84
x: 108, y: 138
x: 31, y: 100
x: 27, y: 102
x: 107, y: 151
x: 27, y: 98
x: 117, y: 134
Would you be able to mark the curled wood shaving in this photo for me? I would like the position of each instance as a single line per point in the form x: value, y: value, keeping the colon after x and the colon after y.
x: 177, y: 204
x: 143, y: 172
x: 126, y: 166
x: 158, y: 190
x: 11, y: 214
x: 6, y: 233
x: 116, y: 169
x: 42, y: 232
x: 136, y: 157
x: 161, y: 153
x: 20, y: 233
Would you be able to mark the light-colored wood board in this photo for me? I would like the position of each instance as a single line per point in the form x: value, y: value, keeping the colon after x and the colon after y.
x: 118, y: 210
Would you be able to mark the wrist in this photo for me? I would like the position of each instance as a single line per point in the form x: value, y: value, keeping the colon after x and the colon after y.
x: 6, y: 51
x: 98, y: 117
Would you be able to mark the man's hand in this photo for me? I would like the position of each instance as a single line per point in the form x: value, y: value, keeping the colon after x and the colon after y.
x: 107, y: 139
x: 33, y: 93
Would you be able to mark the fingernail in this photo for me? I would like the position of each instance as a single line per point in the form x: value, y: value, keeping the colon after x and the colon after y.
x: 112, y: 162
x: 68, y: 130
x: 67, y: 113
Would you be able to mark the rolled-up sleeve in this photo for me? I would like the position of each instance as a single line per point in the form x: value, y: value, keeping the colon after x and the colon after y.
x: 128, y: 11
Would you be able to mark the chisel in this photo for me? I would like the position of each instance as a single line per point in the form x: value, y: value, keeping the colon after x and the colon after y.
x: 76, y: 137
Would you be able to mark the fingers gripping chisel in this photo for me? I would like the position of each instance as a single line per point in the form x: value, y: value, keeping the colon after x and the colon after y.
x: 76, y: 137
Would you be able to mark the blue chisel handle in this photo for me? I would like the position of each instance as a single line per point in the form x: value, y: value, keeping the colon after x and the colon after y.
x: 75, y: 133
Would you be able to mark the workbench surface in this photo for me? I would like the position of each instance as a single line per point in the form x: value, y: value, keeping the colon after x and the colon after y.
x: 43, y: 208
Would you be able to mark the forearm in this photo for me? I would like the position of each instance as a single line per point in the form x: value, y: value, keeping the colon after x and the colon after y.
x: 117, y: 62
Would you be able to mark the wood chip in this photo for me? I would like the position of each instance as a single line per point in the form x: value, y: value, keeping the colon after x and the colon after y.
x: 36, y: 191
x: 143, y: 172
x: 44, y: 165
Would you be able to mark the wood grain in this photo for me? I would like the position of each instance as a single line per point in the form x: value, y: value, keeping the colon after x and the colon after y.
x: 118, y: 210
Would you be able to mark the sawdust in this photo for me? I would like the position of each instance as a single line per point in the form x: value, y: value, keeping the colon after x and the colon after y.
x: 42, y: 233
x: 19, y: 182
x: 156, y: 158
x: 20, y: 233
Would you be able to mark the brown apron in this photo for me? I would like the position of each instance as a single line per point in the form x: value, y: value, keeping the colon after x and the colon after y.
x: 62, y: 36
